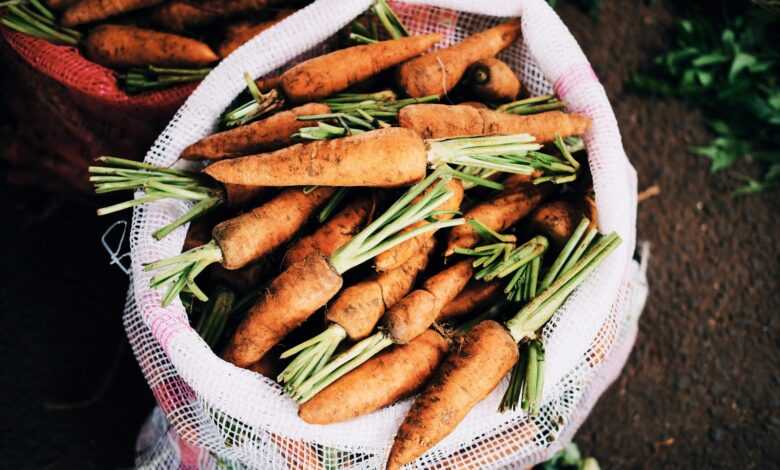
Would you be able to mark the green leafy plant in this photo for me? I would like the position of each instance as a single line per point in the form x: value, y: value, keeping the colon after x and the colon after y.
x: 730, y: 70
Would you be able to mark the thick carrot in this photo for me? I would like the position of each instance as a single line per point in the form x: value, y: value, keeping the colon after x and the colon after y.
x: 264, y: 327
x: 181, y: 15
x: 497, y: 213
x: 268, y: 83
x: 254, y: 234
x: 381, y: 381
x: 271, y: 133
x: 335, y: 233
x: 475, y: 295
x: 557, y: 220
x: 468, y: 375
x: 386, y: 158
x: 416, y: 312
x: 128, y: 46
x: 395, y: 257
x: 492, y: 80
x: 437, y: 72
x: 89, y: 11
x: 461, y: 120
x: 236, y: 35
x: 336, y: 71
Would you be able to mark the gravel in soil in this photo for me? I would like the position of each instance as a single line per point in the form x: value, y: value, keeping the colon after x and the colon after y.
x: 699, y: 390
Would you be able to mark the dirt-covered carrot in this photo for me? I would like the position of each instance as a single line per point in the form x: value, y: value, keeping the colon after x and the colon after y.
x: 354, y: 314
x: 488, y: 352
x: 236, y: 35
x: 89, y: 11
x: 492, y: 80
x: 474, y: 296
x: 241, y: 240
x: 306, y: 286
x: 331, y: 73
x: 397, y: 256
x: 271, y: 133
x: 498, y: 213
x: 437, y: 72
x: 466, y: 120
x: 385, y: 379
x: 556, y: 219
x: 181, y: 15
x: 130, y: 46
x: 333, y: 234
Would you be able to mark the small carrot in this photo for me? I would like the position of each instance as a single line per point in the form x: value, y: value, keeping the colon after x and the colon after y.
x: 182, y: 15
x: 556, y: 219
x: 271, y: 133
x: 238, y: 34
x: 89, y: 11
x: 335, y: 233
x: 129, y: 46
x: 437, y: 72
x: 492, y: 80
x: 466, y: 120
x: 331, y: 73
x: 474, y: 296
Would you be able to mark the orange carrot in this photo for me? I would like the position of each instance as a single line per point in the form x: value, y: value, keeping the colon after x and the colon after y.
x: 468, y: 375
x: 474, y: 296
x: 128, y: 46
x: 335, y: 233
x: 240, y: 33
x: 260, y: 136
x: 268, y: 83
x: 437, y: 72
x: 336, y: 71
x: 395, y: 257
x: 557, y: 220
x: 466, y: 120
x: 381, y: 381
x: 181, y: 15
x: 493, y: 80
x: 89, y: 11
x: 388, y: 157
x: 497, y: 213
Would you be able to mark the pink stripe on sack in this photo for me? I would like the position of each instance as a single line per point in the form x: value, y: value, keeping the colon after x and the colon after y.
x: 575, y: 77
x: 164, y: 326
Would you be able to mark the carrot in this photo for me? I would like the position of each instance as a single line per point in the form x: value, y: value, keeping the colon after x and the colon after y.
x: 468, y: 375
x: 89, y: 11
x: 395, y: 257
x: 492, y: 80
x: 475, y: 295
x: 241, y: 240
x: 238, y: 34
x: 181, y: 15
x: 466, y: 120
x: 384, y: 379
x: 260, y: 136
x: 354, y: 313
x: 437, y: 72
x: 267, y: 84
x: 386, y: 157
x: 304, y: 287
x: 335, y: 233
x: 417, y: 311
x: 331, y: 73
x: 474, y: 104
x: 242, y: 279
x: 128, y: 46
x: 556, y: 219
x: 497, y: 213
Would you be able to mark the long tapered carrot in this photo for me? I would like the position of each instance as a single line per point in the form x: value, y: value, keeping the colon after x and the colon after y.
x: 333, y: 234
x: 181, y: 15
x: 129, y: 46
x: 466, y: 377
x: 260, y: 136
x: 497, y: 213
x: 386, y: 157
x: 382, y: 380
x: 475, y: 295
x: 437, y: 72
x: 89, y: 11
x: 395, y: 257
x: 461, y: 120
x: 331, y: 73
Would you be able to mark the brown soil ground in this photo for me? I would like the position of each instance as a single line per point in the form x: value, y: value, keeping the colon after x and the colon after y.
x: 700, y: 388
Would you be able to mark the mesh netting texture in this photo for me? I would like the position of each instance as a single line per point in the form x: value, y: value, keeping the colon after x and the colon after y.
x: 210, y: 408
x: 51, y: 83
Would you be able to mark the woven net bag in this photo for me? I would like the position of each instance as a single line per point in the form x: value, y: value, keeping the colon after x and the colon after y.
x: 210, y: 411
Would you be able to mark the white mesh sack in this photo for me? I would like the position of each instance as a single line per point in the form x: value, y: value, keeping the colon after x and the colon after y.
x: 210, y: 410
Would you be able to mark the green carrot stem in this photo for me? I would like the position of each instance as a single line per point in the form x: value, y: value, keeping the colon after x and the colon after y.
x: 394, y: 27
x: 577, y: 254
x: 332, y: 204
x: 568, y: 248
x: 360, y: 39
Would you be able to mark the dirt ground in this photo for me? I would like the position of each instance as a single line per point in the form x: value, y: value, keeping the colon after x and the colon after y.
x: 700, y: 388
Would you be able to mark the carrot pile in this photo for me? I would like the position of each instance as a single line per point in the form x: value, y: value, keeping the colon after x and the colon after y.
x: 412, y: 228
